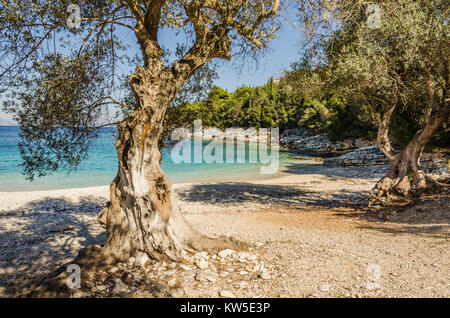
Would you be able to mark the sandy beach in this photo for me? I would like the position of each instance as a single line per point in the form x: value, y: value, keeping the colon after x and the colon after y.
x: 311, y: 228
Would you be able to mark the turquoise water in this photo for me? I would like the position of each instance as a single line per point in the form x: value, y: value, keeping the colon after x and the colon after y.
x: 101, y: 167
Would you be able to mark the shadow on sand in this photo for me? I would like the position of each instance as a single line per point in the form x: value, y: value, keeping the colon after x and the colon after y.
x: 37, y: 238
x: 427, y: 216
x: 289, y: 196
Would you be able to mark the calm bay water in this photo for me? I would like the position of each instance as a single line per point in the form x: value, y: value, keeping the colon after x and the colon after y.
x: 101, y: 167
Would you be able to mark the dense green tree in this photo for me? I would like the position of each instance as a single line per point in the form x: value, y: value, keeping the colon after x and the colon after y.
x: 276, y: 105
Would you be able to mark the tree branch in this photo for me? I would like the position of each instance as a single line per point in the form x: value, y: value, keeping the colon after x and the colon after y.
x: 212, y: 38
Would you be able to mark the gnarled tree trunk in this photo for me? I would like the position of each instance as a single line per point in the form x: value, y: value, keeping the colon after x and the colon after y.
x: 142, y: 216
x: 405, y: 176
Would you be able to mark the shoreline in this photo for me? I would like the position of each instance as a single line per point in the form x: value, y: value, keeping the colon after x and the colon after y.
x: 223, y: 177
x: 301, y: 163
x: 296, y: 175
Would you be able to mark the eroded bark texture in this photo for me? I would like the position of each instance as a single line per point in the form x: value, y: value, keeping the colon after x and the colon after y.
x: 141, y: 216
x: 405, y: 176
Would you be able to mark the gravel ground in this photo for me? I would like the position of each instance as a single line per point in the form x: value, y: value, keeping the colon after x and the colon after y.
x: 312, y: 236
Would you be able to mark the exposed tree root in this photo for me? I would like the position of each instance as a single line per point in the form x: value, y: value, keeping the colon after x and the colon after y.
x: 178, y: 236
x: 403, y: 188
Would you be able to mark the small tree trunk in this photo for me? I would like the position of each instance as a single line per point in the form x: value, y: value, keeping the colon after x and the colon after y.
x: 405, y: 176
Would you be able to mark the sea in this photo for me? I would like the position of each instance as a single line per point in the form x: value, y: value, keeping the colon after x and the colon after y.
x: 100, y: 167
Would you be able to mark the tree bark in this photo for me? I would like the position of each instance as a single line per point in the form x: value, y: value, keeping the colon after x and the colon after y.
x: 383, y: 141
x: 405, y: 176
x: 142, y: 216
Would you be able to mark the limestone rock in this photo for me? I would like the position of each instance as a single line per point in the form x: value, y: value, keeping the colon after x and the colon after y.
x: 172, y: 282
x: 266, y: 275
x: 185, y: 267
x: 225, y: 253
x: 304, y: 142
x: 142, y: 259
x: 102, y: 287
x: 206, y: 276
x: 202, y: 263
x: 227, y: 294
x: 324, y: 288
x: 243, y: 284
x: 131, y: 260
x: 177, y: 293
x: 119, y: 286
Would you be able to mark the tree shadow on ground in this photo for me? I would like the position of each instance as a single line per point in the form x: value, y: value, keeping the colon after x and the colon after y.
x: 39, y: 237
x: 428, y: 216
x: 336, y: 172
x: 289, y: 196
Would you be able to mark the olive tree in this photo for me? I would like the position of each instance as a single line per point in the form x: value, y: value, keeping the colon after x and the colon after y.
x: 387, y: 54
x: 60, y: 81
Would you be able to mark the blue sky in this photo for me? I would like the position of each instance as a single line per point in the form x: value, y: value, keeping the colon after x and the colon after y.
x: 277, y: 59
x: 282, y: 53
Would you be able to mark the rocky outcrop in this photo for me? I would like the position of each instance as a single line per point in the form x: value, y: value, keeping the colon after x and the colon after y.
x: 240, y: 134
x: 304, y: 142
x: 366, y: 156
x: 372, y: 156
x: 248, y: 135
x: 435, y: 163
x: 351, y: 152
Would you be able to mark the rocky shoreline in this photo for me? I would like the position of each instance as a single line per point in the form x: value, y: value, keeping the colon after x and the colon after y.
x: 344, y: 153
x: 351, y: 152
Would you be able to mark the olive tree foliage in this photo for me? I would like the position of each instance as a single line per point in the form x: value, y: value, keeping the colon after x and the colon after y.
x: 387, y: 54
x: 60, y: 82
x: 55, y: 90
